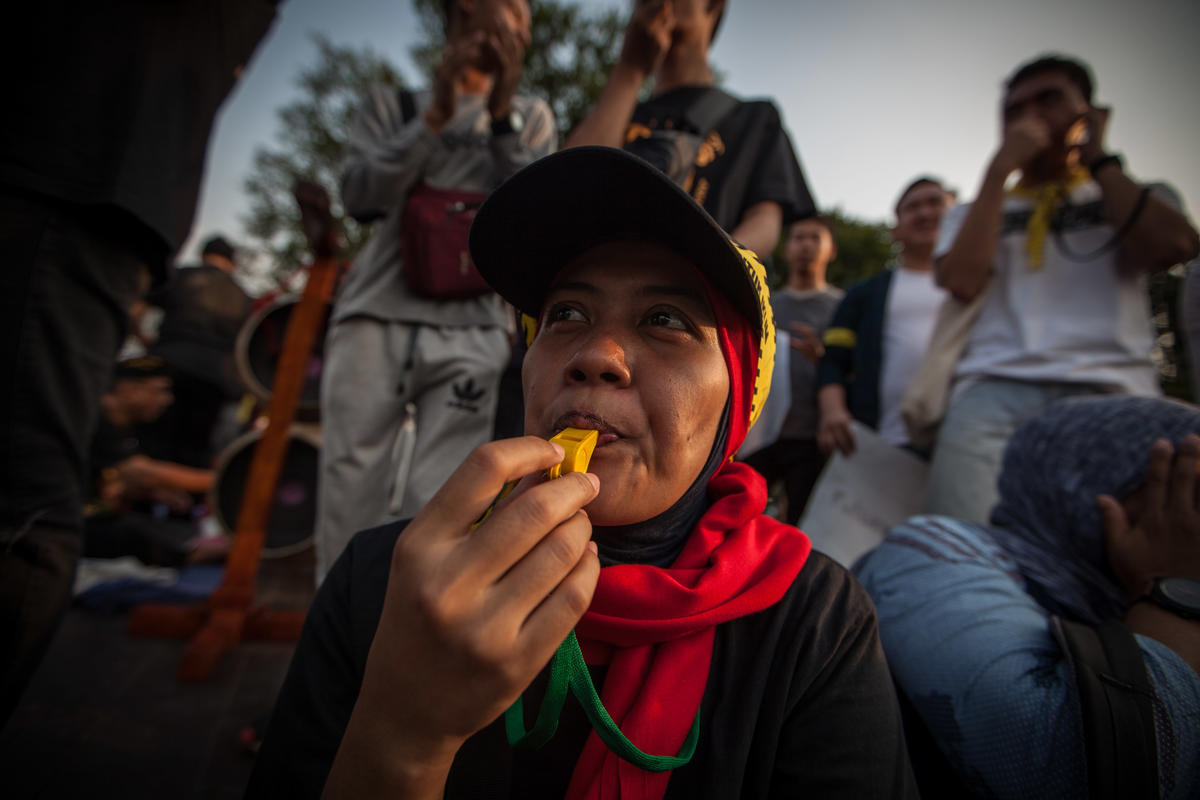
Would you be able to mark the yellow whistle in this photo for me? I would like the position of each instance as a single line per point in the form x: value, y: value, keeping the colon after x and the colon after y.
x: 579, y: 445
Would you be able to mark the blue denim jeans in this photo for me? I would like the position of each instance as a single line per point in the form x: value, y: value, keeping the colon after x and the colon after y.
x: 970, y: 445
x: 975, y: 655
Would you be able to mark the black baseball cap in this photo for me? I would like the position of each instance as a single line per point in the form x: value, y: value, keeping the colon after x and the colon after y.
x: 564, y: 204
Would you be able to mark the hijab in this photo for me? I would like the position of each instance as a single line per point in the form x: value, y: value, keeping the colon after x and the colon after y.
x: 1054, y: 467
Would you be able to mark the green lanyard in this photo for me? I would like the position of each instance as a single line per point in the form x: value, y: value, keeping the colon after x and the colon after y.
x: 568, y: 670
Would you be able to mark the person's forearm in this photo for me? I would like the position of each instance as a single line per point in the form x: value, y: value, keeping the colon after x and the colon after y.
x: 759, y: 228
x: 167, y: 475
x: 1179, y: 634
x: 384, y: 162
x: 607, y: 122
x: 362, y: 769
x: 963, y: 270
x: 1159, y: 238
x: 831, y: 398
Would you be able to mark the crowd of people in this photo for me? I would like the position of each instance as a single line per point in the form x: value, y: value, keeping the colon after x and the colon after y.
x: 1035, y: 632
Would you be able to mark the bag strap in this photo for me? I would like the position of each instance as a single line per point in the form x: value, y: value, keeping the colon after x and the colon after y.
x: 408, y: 104
x: 1116, y: 702
x: 708, y: 112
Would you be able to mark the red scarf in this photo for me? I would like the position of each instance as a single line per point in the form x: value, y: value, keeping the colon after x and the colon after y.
x: 655, y: 627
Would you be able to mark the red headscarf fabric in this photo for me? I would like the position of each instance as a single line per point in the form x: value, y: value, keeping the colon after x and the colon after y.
x: 655, y: 627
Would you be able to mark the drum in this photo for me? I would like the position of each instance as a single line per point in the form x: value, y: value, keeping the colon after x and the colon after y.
x: 259, y: 345
x: 294, y: 510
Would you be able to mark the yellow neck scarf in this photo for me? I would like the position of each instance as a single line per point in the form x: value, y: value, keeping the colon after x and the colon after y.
x: 1046, y: 199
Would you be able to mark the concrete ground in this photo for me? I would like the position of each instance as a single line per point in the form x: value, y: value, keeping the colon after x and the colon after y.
x: 105, y: 716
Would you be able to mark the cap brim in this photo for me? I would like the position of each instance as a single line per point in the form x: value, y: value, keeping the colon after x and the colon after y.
x: 558, y: 207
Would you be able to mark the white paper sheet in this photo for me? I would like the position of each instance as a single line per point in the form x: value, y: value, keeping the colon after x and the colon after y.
x: 858, y: 498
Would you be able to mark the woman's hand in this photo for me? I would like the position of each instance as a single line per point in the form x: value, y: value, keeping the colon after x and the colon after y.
x: 469, y: 617
x: 1156, y: 531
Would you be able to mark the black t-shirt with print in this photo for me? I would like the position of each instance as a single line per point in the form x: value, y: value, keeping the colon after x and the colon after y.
x: 799, y: 701
x: 747, y: 159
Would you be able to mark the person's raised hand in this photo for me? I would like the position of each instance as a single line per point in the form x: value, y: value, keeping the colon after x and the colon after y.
x: 648, y: 35
x: 470, y: 617
x: 1155, y: 532
x: 1095, y: 124
x: 466, y: 51
x: 834, y: 433
x: 505, y: 51
x: 1024, y: 139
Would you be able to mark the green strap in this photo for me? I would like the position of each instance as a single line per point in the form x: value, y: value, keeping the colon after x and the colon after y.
x: 547, y: 718
x: 568, y: 661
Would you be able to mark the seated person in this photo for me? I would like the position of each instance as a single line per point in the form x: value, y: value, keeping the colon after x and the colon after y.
x: 971, y: 617
x: 127, y: 485
x: 741, y: 662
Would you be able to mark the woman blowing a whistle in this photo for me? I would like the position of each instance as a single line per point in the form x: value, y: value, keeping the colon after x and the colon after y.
x: 638, y: 630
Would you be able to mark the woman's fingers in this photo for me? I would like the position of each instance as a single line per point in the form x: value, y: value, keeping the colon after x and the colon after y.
x: 479, y: 479
x: 554, y: 618
x: 1182, y: 493
x: 512, y: 532
x: 536, y: 575
x: 1158, y: 473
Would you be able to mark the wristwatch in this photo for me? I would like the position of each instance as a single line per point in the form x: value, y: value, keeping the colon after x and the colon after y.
x: 1178, y: 595
x: 1103, y: 160
x: 508, y: 124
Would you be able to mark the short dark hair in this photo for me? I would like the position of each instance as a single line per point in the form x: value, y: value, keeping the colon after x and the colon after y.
x: 918, y: 181
x: 824, y: 220
x: 1078, y: 72
x: 218, y: 246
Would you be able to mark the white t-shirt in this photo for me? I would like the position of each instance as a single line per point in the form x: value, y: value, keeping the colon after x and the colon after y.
x: 912, y: 306
x: 1071, y: 320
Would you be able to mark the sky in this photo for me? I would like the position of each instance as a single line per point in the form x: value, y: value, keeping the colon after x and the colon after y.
x: 873, y: 92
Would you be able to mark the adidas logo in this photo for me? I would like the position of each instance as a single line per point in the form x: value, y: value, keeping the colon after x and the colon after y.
x: 467, y: 395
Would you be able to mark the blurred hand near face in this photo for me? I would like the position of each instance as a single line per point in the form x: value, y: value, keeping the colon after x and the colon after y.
x: 1024, y: 139
x: 1095, y: 125
x: 648, y: 36
x: 1155, y: 531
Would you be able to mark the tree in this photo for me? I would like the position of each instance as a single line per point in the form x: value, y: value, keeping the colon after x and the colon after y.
x: 1170, y: 355
x: 567, y: 64
x: 571, y: 53
x: 311, y: 143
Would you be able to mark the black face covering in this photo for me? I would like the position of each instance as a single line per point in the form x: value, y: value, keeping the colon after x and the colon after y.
x: 658, y: 540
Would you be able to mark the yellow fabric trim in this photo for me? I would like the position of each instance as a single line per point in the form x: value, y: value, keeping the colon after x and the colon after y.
x: 529, y: 327
x: 1046, y: 199
x: 840, y: 337
x: 766, y: 343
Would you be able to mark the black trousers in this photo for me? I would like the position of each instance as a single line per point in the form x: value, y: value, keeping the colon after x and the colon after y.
x: 798, y: 462
x: 65, y: 290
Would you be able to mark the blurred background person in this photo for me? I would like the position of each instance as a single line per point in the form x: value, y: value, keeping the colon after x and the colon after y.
x: 1063, y: 256
x: 140, y: 506
x: 1097, y: 526
x: 881, y: 329
x: 734, y: 157
x: 202, y: 311
x: 802, y: 308
x: 410, y: 381
x: 98, y: 187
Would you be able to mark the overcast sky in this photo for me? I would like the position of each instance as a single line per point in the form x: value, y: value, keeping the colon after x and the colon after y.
x: 873, y: 92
